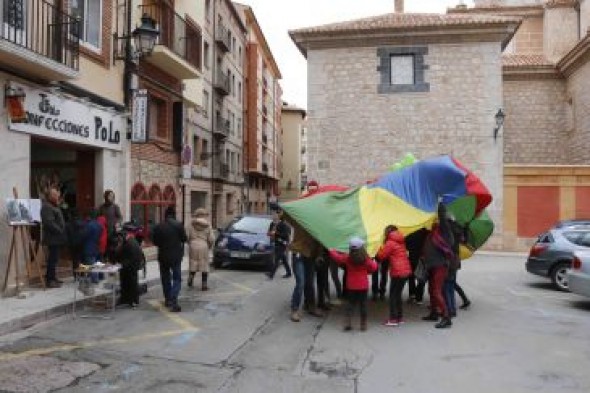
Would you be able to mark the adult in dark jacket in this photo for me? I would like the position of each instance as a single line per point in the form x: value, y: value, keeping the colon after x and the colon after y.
x: 169, y: 236
x: 112, y: 213
x: 75, y: 230
x: 128, y: 253
x: 280, y: 235
x: 54, y: 234
x: 91, y: 243
x: 438, y: 255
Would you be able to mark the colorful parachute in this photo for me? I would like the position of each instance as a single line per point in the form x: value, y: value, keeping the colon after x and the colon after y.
x: 407, y: 198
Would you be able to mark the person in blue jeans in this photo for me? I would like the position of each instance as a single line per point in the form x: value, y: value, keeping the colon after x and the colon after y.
x: 169, y: 236
x: 296, y: 298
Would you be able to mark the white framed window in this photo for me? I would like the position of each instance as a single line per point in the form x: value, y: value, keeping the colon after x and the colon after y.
x: 402, y: 70
x: 89, y: 12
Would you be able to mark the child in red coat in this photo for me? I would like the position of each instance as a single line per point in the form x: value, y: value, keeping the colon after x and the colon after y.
x: 358, y: 266
x: 102, y: 242
x: 394, y: 251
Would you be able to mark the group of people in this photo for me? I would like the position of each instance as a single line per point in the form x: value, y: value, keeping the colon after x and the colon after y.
x: 423, y: 258
x: 89, y: 239
x: 100, y: 237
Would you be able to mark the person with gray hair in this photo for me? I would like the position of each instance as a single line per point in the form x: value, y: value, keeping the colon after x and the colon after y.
x: 54, y: 234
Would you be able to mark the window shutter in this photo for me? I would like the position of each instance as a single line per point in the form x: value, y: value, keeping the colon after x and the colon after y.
x: 177, y: 125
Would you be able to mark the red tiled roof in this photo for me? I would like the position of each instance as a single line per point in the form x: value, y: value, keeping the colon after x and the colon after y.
x: 512, y: 60
x: 402, y: 21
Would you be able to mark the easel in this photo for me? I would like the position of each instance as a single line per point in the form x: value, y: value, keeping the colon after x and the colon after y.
x: 21, y: 236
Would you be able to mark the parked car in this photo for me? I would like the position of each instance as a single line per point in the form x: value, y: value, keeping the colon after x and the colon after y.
x: 245, y: 241
x: 552, y: 254
x: 578, y: 276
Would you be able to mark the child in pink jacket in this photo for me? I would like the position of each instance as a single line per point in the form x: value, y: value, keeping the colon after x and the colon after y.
x: 358, y: 266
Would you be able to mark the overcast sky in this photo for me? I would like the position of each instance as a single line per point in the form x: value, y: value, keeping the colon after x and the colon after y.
x: 276, y: 17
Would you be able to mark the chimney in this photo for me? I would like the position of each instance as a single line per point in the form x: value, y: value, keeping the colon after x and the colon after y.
x: 399, y: 6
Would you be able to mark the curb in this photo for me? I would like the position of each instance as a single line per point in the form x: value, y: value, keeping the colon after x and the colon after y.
x: 61, y: 310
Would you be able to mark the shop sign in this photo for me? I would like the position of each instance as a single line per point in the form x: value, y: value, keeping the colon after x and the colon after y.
x: 65, y: 119
x: 140, y: 117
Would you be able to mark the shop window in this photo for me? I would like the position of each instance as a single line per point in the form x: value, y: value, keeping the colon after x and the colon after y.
x: 89, y: 12
x: 155, y: 207
x: 139, y: 201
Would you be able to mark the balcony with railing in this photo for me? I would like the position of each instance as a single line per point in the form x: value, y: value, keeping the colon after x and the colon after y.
x: 221, y: 83
x: 221, y: 127
x: 39, y: 39
x: 220, y: 169
x: 178, y: 48
x: 222, y: 38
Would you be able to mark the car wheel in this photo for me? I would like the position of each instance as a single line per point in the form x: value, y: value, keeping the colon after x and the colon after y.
x: 559, y: 276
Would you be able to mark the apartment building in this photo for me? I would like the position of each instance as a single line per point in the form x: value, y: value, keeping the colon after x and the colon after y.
x: 295, y: 157
x: 63, y: 120
x: 218, y: 141
x: 165, y: 85
x: 263, y: 132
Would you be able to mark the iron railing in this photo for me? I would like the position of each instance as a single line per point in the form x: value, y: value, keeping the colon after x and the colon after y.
x: 42, y: 28
x: 222, y: 126
x: 220, y: 170
x: 221, y: 83
x: 175, y: 33
x: 222, y: 37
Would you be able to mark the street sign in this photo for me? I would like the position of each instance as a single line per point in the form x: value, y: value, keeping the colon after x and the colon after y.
x: 140, y: 117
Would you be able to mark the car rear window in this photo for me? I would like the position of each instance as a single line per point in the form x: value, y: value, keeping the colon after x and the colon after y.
x: 255, y: 225
x: 579, y: 238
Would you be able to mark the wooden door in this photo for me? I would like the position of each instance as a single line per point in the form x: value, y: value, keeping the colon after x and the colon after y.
x: 85, y: 182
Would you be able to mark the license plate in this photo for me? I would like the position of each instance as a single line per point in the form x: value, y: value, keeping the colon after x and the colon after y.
x: 240, y: 254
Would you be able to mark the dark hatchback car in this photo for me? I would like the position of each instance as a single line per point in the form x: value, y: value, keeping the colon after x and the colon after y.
x: 244, y: 242
x: 552, y: 254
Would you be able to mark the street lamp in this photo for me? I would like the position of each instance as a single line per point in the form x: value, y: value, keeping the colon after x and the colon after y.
x: 500, y: 116
x: 145, y: 35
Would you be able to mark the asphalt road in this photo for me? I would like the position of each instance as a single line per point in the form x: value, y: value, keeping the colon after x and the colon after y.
x: 519, y: 336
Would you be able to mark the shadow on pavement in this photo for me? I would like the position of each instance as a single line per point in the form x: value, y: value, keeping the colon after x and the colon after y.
x: 548, y: 286
x: 583, y: 305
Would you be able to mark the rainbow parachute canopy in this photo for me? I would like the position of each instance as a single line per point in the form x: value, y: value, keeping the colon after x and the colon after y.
x: 406, y: 198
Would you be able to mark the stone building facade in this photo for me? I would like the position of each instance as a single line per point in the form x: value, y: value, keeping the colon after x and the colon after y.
x: 546, y: 80
x: 294, y: 127
x: 366, y: 110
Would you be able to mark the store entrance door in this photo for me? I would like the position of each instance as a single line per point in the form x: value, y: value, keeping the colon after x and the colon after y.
x: 68, y: 167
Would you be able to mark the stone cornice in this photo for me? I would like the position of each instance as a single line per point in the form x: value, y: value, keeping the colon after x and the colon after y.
x: 577, y: 57
x: 561, y: 4
x: 501, y: 32
x: 528, y: 10
x: 530, y: 73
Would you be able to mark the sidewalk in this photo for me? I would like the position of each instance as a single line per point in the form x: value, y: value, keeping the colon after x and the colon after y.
x: 40, y: 306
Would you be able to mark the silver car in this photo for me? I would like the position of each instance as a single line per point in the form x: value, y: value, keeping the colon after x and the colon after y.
x: 578, y: 276
x: 552, y: 254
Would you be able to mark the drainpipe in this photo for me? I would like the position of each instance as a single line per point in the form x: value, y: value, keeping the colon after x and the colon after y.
x: 213, y: 100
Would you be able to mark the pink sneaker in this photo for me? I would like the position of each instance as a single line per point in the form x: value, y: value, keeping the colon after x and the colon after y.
x: 391, y: 322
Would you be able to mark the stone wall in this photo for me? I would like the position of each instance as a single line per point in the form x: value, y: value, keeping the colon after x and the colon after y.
x: 578, y: 88
x: 529, y: 37
x: 560, y: 31
x: 355, y: 133
x: 535, y: 126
